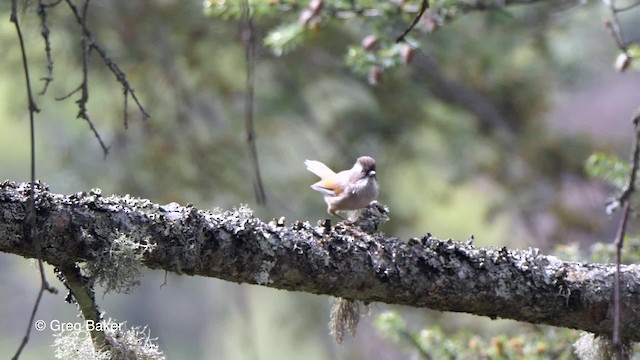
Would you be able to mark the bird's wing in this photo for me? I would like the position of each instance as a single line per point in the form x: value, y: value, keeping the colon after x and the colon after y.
x: 327, y: 188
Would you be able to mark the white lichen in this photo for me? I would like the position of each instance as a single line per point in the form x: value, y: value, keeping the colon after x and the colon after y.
x: 263, y: 276
x: 119, y: 267
x: 135, y: 343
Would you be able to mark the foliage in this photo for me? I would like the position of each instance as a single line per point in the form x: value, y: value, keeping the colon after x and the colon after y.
x: 601, y: 252
x: 433, y: 343
x: 605, y: 252
x: 432, y: 147
x: 629, y: 59
x: 608, y: 168
x: 386, y: 20
x: 613, y: 171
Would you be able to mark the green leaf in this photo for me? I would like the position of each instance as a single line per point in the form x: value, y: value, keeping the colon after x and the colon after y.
x: 608, y: 168
x: 633, y: 51
x: 285, y: 37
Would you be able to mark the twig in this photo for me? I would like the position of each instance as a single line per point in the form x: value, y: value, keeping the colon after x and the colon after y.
x: 423, y: 7
x: 31, y: 232
x: 121, y: 77
x: 64, y: 97
x: 614, y: 24
x: 624, y: 200
x: 33, y: 108
x: 125, y: 107
x: 249, y: 38
x: 619, y: 241
x: 44, y: 31
x: 84, y: 85
x: 626, y: 7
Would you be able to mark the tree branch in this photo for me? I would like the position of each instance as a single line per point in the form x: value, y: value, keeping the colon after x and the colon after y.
x: 249, y: 38
x: 423, y: 7
x: 343, y: 261
x: 81, y: 291
x: 30, y: 233
x: 460, y: 94
x: 89, y: 44
x: 625, y: 201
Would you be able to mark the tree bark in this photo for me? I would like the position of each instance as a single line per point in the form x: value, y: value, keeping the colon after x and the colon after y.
x: 346, y: 260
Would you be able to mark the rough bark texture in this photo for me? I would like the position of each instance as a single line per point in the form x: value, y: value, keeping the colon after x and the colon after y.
x: 344, y: 260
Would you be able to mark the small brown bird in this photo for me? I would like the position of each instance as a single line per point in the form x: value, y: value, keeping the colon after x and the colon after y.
x: 349, y: 189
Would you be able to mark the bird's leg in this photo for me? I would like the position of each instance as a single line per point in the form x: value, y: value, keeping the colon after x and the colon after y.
x: 335, y: 213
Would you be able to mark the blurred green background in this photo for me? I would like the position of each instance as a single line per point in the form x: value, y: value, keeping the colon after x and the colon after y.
x: 442, y: 169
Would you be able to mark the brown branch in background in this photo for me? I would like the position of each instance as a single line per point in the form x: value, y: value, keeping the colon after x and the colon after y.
x: 625, y: 201
x: 30, y: 230
x: 90, y: 44
x: 462, y: 95
x: 249, y: 39
x: 423, y: 7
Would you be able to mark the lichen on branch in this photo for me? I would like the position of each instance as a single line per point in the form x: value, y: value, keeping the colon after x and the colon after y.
x: 347, y: 260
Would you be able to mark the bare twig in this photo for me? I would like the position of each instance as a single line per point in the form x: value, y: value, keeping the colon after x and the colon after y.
x: 64, y: 97
x: 30, y: 225
x: 625, y: 201
x: 34, y: 310
x: 33, y: 108
x: 84, y: 97
x: 44, y: 30
x: 614, y: 26
x: 423, y: 7
x: 626, y: 7
x: 121, y: 77
x: 125, y: 107
x: 249, y: 38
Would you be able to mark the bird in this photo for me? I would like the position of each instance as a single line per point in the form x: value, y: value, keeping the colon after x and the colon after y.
x: 351, y: 189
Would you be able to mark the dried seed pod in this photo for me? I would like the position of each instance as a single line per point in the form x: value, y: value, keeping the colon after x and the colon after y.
x: 406, y: 53
x: 369, y: 42
x: 375, y: 75
x: 622, y: 62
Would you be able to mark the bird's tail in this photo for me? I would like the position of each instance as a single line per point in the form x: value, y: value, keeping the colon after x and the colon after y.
x: 319, y: 168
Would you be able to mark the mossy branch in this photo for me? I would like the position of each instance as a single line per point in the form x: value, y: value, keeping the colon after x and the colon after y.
x: 346, y: 260
x: 82, y: 292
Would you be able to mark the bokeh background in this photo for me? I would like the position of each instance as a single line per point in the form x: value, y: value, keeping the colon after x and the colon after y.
x: 548, y: 71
